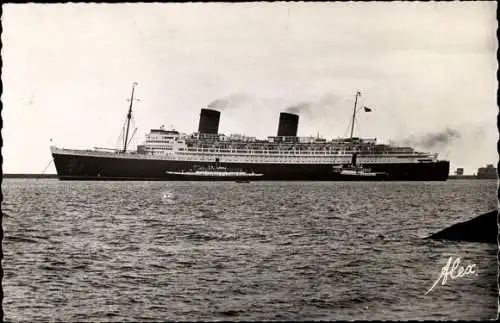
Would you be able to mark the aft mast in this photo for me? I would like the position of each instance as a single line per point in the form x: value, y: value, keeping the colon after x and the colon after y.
x: 355, y: 153
x: 129, y: 115
x: 354, y: 112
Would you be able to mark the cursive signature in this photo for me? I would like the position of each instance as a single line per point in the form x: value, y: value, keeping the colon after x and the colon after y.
x: 453, y: 271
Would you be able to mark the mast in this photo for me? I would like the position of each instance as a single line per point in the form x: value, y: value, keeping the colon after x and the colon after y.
x: 354, y: 112
x: 129, y: 115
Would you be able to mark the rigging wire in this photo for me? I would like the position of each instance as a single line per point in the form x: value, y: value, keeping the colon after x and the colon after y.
x: 119, y: 142
x: 347, y: 129
x: 132, y: 126
x: 50, y: 162
x: 132, y: 137
x: 356, y: 124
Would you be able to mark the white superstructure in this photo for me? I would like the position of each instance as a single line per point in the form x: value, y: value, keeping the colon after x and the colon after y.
x: 170, y: 144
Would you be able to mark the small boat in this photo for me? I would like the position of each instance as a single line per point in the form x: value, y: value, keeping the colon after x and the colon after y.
x: 215, y: 174
x: 357, y: 172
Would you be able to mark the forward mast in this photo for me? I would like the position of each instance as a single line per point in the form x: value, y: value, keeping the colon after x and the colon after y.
x: 129, y: 116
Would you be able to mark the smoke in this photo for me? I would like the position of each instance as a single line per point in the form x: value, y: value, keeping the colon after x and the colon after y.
x: 231, y: 101
x: 431, y: 140
x: 317, y: 107
x: 301, y: 108
x: 309, y: 108
x: 218, y: 104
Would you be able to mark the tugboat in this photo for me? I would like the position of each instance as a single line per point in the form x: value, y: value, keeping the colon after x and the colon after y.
x: 357, y: 172
x: 214, y: 173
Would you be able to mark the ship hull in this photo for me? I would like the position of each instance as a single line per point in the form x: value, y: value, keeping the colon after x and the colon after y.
x: 84, y: 167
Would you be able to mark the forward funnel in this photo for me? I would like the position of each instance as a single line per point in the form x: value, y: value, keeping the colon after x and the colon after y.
x: 288, y: 124
x: 209, y: 121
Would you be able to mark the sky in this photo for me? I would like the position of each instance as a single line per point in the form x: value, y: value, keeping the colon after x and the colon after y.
x: 427, y: 71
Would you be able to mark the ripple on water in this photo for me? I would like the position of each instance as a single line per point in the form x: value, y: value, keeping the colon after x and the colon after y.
x: 155, y: 251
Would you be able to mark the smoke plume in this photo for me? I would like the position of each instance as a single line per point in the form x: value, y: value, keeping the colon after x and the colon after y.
x: 218, y: 104
x: 301, y: 108
x: 430, y: 140
x: 230, y: 101
x: 316, y: 107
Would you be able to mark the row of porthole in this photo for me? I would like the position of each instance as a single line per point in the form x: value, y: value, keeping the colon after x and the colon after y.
x: 288, y: 157
x: 280, y: 154
x: 288, y: 160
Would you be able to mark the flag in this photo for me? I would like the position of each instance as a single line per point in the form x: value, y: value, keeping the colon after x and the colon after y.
x: 367, y: 109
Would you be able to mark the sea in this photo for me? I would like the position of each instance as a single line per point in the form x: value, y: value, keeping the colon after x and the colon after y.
x: 273, y: 251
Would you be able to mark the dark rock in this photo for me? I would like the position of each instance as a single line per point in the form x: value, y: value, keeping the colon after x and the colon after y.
x: 483, y: 228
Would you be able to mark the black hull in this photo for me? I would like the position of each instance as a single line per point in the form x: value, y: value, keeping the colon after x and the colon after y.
x: 82, y: 167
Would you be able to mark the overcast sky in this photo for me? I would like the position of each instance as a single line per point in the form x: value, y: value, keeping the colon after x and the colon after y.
x: 426, y: 70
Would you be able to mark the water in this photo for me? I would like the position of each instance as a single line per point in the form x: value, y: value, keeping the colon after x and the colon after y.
x: 139, y: 251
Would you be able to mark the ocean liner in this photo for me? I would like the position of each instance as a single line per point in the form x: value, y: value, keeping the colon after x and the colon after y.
x: 166, y: 153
